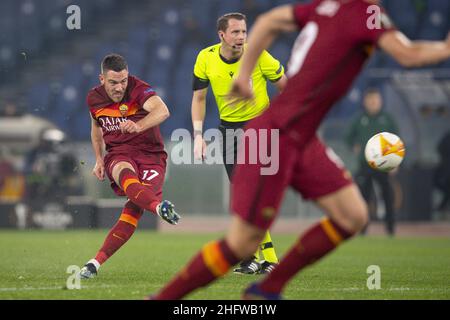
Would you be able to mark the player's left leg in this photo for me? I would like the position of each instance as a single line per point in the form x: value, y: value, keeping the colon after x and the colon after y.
x: 255, y: 200
x: 116, y: 238
x: 319, y: 176
x: 347, y: 214
x: 214, y: 260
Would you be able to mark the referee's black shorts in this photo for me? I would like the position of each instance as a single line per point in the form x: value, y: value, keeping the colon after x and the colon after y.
x: 230, y: 142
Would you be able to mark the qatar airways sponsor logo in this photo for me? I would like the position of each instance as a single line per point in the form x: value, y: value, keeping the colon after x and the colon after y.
x: 110, y: 124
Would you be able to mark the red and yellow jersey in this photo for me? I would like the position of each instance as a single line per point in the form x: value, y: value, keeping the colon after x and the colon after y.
x: 109, y: 115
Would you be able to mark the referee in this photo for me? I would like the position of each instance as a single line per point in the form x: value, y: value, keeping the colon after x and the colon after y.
x: 217, y: 66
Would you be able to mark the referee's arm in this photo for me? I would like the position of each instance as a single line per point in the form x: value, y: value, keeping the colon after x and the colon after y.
x: 280, y: 84
x: 198, y: 111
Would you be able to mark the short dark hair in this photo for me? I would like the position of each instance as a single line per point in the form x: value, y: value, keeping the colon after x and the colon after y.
x: 222, y: 22
x: 371, y: 90
x: 114, y: 62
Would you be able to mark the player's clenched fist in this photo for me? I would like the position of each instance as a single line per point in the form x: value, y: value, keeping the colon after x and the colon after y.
x: 129, y: 127
x: 241, y: 89
x: 99, y: 169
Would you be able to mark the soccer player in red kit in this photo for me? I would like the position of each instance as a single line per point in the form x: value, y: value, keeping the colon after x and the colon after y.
x: 336, y: 39
x: 126, y: 113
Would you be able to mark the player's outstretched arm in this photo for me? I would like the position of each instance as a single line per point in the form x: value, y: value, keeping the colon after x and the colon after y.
x: 414, y: 53
x: 157, y: 113
x: 97, y: 145
x: 266, y: 28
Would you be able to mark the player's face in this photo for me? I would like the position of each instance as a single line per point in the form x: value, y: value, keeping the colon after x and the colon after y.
x: 235, y: 35
x: 115, y: 84
x: 373, y: 103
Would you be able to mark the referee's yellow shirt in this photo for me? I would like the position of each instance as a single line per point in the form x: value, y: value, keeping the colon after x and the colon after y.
x: 212, y: 68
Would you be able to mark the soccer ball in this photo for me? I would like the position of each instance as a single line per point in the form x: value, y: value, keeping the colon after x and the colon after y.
x: 384, y: 151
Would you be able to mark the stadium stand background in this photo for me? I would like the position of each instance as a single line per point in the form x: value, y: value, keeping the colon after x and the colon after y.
x: 46, y: 71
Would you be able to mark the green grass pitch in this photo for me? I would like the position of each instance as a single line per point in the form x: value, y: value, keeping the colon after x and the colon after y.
x: 34, y: 263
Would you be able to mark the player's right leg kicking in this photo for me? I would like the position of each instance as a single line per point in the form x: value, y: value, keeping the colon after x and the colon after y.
x: 140, y: 197
x: 125, y: 176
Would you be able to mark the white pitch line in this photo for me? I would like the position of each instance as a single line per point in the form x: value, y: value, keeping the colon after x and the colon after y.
x: 381, y: 289
x: 354, y: 289
x: 298, y: 289
x: 105, y: 286
x: 55, y: 288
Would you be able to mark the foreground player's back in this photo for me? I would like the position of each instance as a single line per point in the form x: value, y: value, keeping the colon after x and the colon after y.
x: 332, y: 47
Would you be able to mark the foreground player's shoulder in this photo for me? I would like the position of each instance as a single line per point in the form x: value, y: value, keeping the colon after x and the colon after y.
x: 373, y: 21
x: 303, y: 11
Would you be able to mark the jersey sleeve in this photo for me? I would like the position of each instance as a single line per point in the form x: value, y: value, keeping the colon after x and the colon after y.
x: 89, y: 104
x: 142, y: 91
x: 302, y: 12
x: 94, y: 100
x: 200, y: 79
x: 271, y: 68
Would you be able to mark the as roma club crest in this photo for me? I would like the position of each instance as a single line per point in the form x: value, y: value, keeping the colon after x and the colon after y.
x: 123, y: 110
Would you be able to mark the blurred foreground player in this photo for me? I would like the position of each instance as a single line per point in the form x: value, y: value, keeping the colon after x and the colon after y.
x: 327, y: 56
x: 126, y: 113
x: 218, y: 65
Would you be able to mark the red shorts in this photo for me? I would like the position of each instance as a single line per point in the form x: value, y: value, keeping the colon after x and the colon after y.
x: 150, y: 167
x: 314, y: 171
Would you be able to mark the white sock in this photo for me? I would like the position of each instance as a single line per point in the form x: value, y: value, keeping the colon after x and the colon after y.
x: 95, y: 263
